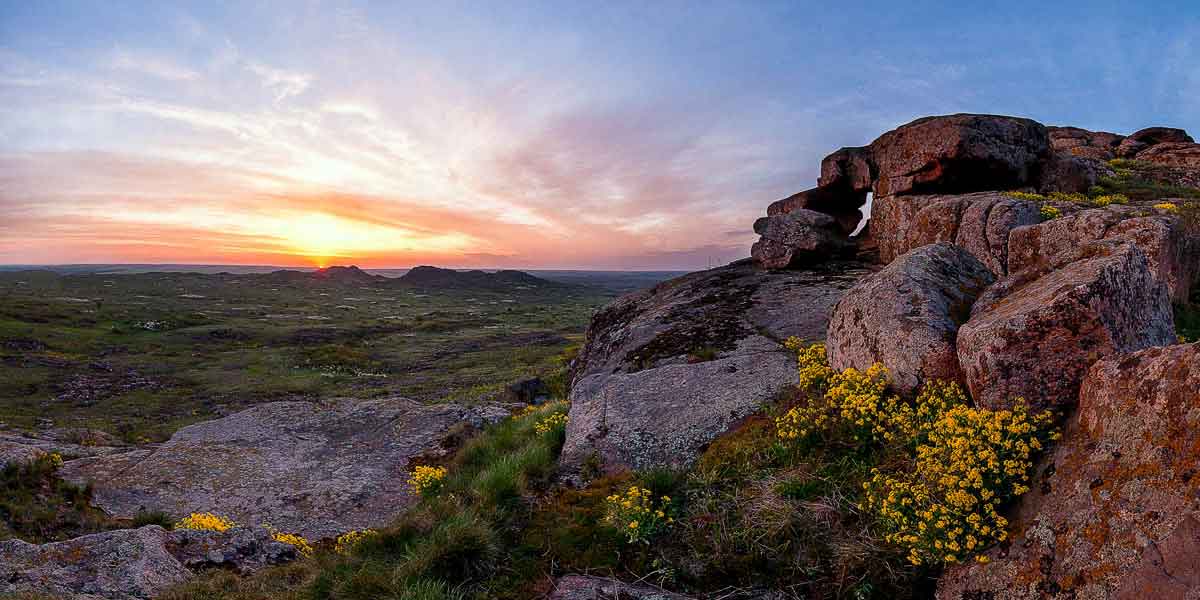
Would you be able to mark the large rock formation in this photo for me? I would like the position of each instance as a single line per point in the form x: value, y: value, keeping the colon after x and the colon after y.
x: 979, y: 222
x: 1117, y: 514
x: 1034, y: 337
x: 1162, y: 237
x: 1098, y: 145
x: 129, y: 564
x: 797, y: 237
x: 1142, y: 139
x: 666, y: 370
x: 907, y: 316
x: 959, y: 153
x: 314, y: 469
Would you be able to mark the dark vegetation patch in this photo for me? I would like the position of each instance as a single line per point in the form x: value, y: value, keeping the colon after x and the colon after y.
x: 177, y: 348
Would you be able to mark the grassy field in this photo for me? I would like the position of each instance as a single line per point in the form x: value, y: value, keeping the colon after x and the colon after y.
x: 140, y: 355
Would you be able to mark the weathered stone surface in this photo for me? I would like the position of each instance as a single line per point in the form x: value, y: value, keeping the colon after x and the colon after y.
x: 797, y: 237
x: 127, y: 563
x: 586, y: 587
x: 133, y: 563
x: 1035, y: 337
x: 978, y: 222
x: 959, y: 153
x: 667, y: 369
x: 843, y: 205
x: 848, y: 168
x: 1163, y: 238
x: 1071, y: 174
x: 241, y: 549
x: 1175, y: 154
x: 907, y: 316
x: 1117, y: 513
x: 24, y: 447
x: 314, y: 469
x: 1099, y: 145
x: 1144, y: 138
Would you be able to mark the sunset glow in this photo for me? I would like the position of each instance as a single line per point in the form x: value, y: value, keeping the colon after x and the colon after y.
x: 393, y: 135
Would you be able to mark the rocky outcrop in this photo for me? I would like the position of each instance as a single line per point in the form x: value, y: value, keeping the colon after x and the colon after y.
x: 1073, y: 141
x: 666, y: 370
x: 979, y: 222
x: 959, y: 153
x: 314, y: 469
x: 797, y: 237
x: 907, y: 316
x: 1071, y: 174
x: 1176, y: 154
x: 24, y: 447
x: 586, y: 587
x: 1162, y: 237
x: 1116, y: 514
x: 129, y: 564
x: 1034, y: 337
x: 1150, y: 136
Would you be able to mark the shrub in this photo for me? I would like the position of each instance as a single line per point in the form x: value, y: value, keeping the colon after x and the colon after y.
x: 1048, y: 212
x: 302, y: 546
x: 853, y: 400
x: 1107, y: 199
x: 967, y: 463
x: 425, y: 480
x: 555, y: 422
x: 205, y: 522
x: 348, y: 541
x: 1030, y: 197
x: 638, y: 515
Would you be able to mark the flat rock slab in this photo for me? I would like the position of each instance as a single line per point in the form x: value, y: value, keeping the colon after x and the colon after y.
x: 21, y: 447
x: 666, y: 370
x: 313, y: 469
x: 132, y: 564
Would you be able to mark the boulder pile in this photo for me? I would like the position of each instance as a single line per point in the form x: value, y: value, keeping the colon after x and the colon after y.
x: 984, y: 263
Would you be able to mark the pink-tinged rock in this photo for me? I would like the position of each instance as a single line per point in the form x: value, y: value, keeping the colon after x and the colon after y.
x: 1071, y: 174
x: 1074, y: 141
x: 1163, y: 238
x: 1114, y: 511
x: 979, y: 222
x: 835, y: 201
x: 1034, y: 337
x: 1174, y: 154
x: 848, y: 168
x: 959, y: 153
x: 907, y: 315
x: 797, y: 237
x: 1150, y: 136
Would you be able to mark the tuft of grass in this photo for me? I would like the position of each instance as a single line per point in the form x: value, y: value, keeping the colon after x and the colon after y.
x: 37, y: 506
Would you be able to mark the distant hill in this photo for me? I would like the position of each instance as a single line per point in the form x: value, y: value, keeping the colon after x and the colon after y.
x: 351, y: 274
x: 436, y: 277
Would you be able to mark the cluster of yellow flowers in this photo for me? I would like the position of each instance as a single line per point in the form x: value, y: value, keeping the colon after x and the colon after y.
x: 1107, y: 199
x: 638, y: 514
x: 347, y: 541
x: 426, y: 480
x: 556, y: 421
x: 525, y: 412
x: 302, y: 546
x: 1049, y: 212
x: 205, y: 522
x: 1031, y: 197
x: 56, y: 460
x: 1167, y: 206
x: 853, y: 399
x: 967, y: 463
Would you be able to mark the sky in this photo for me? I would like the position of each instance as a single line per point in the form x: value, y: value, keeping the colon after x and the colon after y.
x: 592, y: 135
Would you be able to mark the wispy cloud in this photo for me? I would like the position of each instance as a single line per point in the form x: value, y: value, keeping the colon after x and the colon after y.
x: 148, y: 64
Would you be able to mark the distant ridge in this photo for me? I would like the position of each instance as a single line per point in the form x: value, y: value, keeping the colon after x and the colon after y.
x: 437, y: 277
x: 350, y: 274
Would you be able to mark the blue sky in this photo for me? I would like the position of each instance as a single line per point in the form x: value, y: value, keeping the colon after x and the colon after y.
x: 589, y: 135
